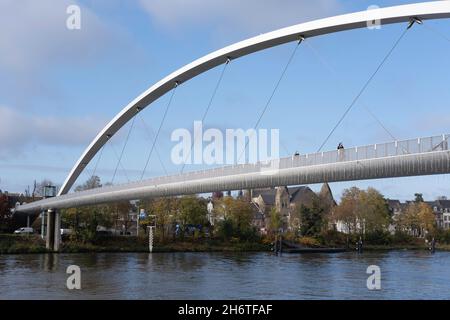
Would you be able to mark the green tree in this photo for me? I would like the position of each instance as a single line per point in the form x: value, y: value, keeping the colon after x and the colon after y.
x: 275, y: 221
x: 192, y: 210
x: 241, y: 214
x: 84, y: 221
x: 418, y: 197
x: 224, y: 229
x: 311, y: 219
x: 374, y: 211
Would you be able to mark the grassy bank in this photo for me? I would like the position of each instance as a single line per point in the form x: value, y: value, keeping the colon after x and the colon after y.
x: 21, y: 244
x: 15, y: 244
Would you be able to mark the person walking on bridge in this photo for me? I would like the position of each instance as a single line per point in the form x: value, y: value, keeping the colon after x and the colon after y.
x: 340, y: 149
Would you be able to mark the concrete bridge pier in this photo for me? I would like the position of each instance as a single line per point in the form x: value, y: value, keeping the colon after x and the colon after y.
x: 53, y: 240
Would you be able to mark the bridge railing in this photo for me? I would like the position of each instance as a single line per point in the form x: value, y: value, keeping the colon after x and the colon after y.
x: 389, y: 149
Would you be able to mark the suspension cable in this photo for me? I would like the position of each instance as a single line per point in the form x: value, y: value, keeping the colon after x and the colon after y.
x: 333, y: 72
x: 147, y: 129
x: 266, y: 106
x: 120, y: 162
x: 98, y: 160
x: 366, y: 84
x: 205, y: 113
x: 123, y: 149
x: 159, y: 129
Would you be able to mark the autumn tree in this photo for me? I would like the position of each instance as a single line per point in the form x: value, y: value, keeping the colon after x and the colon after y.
x: 6, y: 222
x: 165, y: 210
x: 417, y: 219
x: 374, y: 212
x: 363, y: 211
x: 241, y: 214
x: 224, y: 206
x: 238, y: 216
x: 347, y: 211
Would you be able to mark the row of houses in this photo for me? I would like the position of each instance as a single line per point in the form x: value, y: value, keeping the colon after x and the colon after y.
x: 284, y: 200
x: 287, y: 200
x: 440, y: 207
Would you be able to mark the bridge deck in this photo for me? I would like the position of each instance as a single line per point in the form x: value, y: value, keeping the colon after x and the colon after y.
x: 422, y: 156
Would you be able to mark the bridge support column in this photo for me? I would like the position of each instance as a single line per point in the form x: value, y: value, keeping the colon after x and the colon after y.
x: 57, y: 231
x: 53, y: 240
x: 42, y: 224
x: 50, y: 240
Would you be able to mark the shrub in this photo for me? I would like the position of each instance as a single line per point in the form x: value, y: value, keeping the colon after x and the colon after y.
x: 309, y: 242
x: 378, y: 238
x: 402, y: 238
x: 225, y: 229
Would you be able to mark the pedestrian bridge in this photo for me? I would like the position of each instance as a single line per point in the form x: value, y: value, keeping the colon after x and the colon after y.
x: 415, y: 157
x: 422, y: 156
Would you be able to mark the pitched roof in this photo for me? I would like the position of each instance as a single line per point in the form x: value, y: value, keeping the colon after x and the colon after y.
x: 393, y: 203
x: 268, y: 195
x: 301, y: 195
x: 443, y: 203
x: 326, y: 195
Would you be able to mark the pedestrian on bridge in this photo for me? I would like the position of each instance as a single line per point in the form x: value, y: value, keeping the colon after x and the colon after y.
x: 340, y: 149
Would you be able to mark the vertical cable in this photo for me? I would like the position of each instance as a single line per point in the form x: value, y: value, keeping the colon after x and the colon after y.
x: 364, y: 87
x: 219, y: 81
x: 159, y: 129
x: 123, y: 149
x: 266, y: 106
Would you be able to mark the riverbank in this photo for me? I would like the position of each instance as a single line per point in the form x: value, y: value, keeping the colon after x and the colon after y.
x: 22, y: 244
x: 18, y: 244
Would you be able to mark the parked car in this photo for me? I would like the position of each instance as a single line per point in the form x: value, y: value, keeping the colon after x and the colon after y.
x: 66, y: 232
x: 24, y: 230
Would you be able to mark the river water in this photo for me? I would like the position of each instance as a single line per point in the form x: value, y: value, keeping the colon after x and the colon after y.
x: 404, y: 275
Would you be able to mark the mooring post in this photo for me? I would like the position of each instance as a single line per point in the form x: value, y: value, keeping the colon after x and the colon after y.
x: 281, y: 243
x: 433, y: 246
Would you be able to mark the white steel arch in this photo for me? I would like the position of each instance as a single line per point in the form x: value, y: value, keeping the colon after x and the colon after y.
x: 389, y: 15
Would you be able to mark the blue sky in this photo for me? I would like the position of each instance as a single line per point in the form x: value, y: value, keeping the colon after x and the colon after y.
x: 59, y: 87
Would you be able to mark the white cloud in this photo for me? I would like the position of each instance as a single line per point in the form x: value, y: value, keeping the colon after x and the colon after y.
x: 34, y: 34
x: 247, y: 16
x: 18, y: 130
x: 35, y: 41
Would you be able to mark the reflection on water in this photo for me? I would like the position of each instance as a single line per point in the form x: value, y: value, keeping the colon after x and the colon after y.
x: 405, y: 275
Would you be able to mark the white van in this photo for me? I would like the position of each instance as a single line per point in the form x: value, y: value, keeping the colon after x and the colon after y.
x: 66, y: 232
x: 24, y: 230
